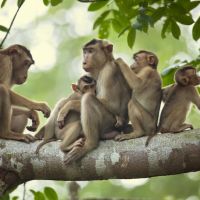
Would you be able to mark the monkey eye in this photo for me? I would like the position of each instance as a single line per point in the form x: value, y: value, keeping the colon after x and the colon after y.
x: 27, y: 63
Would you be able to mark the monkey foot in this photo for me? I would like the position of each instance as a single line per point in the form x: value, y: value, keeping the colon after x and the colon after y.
x: 73, y: 155
x: 122, y: 137
x: 20, y: 137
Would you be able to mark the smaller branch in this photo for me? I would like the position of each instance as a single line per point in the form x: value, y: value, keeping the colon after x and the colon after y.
x: 11, y: 24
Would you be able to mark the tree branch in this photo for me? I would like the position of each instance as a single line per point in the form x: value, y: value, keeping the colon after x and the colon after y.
x: 166, y: 154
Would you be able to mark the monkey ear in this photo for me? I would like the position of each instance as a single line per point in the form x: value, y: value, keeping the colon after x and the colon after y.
x: 109, y: 48
x: 75, y: 87
x: 13, y: 51
x: 151, y: 60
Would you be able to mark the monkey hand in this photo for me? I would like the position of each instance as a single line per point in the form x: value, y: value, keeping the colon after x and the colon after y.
x: 43, y: 107
x: 61, y: 120
x: 119, y: 62
x: 33, y: 115
x: 61, y: 123
x: 123, y: 137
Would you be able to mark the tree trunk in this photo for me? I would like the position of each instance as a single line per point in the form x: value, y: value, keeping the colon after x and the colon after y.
x: 166, y: 154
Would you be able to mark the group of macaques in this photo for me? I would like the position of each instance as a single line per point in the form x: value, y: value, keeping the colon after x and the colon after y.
x: 103, y: 101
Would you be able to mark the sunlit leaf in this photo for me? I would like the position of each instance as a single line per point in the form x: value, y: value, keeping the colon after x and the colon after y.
x: 46, y: 2
x: 196, y: 30
x: 175, y: 29
x: 123, y: 31
x: 3, y: 3
x: 116, y: 25
x: 97, y: 5
x: 56, y: 2
x: 100, y: 19
x: 15, y: 198
x: 165, y: 27
x: 50, y: 193
x: 131, y: 37
x: 104, y: 29
x: 20, y: 2
x: 3, y: 28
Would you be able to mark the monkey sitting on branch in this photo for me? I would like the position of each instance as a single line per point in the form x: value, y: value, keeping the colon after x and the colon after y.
x: 15, y: 62
x: 144, y: 105
x: 70, y: 134
x: 98, y: 112
x: 178, y: 98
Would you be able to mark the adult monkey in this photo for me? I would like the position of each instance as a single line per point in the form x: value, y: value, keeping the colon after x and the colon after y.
x: 14, y: 65
x: 145, y: 82
x: 112, y: 96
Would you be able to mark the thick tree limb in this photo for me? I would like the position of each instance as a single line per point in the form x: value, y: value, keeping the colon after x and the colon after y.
x: 166, y: 154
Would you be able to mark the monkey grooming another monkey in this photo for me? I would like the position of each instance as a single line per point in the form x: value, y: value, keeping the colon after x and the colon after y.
x: 98, y: 113
x: 145, y: 82
x: 15, y: 62
x: 178, y: 98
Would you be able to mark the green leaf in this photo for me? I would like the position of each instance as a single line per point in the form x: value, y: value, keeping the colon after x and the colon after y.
x: 100, y: 19
x: 3, y: 3
x: 165, y: 27
x: 15, y: 198
x: 196, y: 30
x: 5, y: 197
x: 97, y: 5
x: 175, y: 29
x: 104, y: 29
x: 3, y: 28
x: 184, y: 19
x: 116, y: 25
x: 46, y: 2
x: 158, y: 14
x: 123, y: 31
x: 50, y: 193
x: 20, y: 3
x: 131, y: 37
x: 177, y: 9
x: 56, y: 2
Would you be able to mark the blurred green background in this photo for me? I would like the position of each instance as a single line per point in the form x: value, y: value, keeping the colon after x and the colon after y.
x: 55, y: 36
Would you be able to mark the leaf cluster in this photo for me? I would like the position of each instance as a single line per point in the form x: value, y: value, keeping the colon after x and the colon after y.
x: 135, y: 16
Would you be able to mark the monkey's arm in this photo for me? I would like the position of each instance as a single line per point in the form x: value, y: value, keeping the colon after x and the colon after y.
x: 195, y: 97
x: 134, y: 81
x: 74, y: 105
x: 31, y: 114
x: 166, y: 91
x: 19, y: 100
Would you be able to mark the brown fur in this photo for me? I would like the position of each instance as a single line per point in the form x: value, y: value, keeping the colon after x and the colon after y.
x: 178, y: 98
x: 14, y: 64
x: 144, y: 105
x: 112, y: 95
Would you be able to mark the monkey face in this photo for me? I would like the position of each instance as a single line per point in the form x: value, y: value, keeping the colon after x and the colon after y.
x: 94, y: 57
x: 20, y: 71
x: 140, y: 60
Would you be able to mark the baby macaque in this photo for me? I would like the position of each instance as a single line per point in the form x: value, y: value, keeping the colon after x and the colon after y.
x: 86, y: 84
x: 178, y: 98
x: 70, y: 131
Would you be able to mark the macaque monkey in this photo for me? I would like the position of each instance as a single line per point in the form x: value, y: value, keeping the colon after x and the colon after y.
x: 15, y: 109
x: 178, y: 98
x: 98, y: 112
x: 67, y: 127
x: 68, y: 130
x: 145, y: 82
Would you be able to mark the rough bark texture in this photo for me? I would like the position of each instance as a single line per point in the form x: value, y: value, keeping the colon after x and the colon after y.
x: 166, y: 154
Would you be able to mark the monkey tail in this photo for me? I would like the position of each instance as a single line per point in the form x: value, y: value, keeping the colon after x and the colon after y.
x: 148, y: 140
x: 43, y: 143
